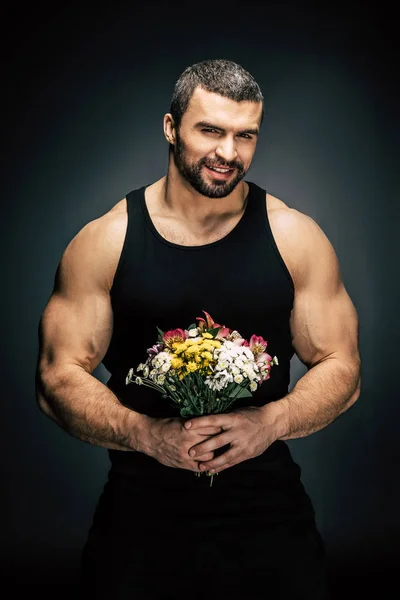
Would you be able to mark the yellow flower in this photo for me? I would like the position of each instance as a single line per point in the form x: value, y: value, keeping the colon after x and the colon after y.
x: 192, y: 350
x: 215, y: 343
x: 176, y: 363
x: 207, y: 355
x: 207, y: 335
x: 181, y: 348
x: 191, y: 366
x: 206, y: 346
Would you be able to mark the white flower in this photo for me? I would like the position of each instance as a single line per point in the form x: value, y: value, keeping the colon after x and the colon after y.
x: 239, y: 363
x: 161, y: 359
x: 248, y: 369
x: 224, y: 356
x: 231, y: 349
x: 238, y: 378
x: 140, y: 367
x: 160, y: 379
x: 219, y: 381
x: 193, y: 332
x: 275, y: 360
x: 146, y: 371
x: 248, y: 353
x: 139, y: 380
x: 221, y: 365
x: 253, y: 386
x: 223, y: 374
x: 165, y: 367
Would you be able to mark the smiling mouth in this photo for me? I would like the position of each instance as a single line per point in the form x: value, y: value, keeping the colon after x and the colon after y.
x: 220, y: 173
x: 220, y: 169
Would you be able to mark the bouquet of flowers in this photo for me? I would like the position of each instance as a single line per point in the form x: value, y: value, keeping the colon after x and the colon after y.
x: 203, y: 369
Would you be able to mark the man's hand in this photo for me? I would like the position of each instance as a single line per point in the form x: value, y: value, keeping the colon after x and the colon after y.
x: 168, y: 441
x: 246, y: 430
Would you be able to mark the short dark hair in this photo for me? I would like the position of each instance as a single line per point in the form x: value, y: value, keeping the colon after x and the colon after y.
x: 220, y: 76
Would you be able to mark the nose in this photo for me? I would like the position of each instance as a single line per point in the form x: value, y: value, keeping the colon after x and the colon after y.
x: 226, y: 149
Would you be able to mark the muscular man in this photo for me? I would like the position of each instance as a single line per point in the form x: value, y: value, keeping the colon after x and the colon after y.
x: 200, y: 238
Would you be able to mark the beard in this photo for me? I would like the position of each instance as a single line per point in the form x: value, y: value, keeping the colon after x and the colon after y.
x: 192, y: 172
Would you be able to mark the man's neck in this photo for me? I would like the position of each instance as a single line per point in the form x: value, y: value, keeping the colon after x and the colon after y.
x: 177, y: 197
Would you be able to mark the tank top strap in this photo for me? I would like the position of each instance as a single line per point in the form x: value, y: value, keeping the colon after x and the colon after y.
x: 257, y: 200
x: 133, y: 200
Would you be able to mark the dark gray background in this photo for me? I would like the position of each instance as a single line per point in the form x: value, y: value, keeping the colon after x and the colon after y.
x: 84, y: 95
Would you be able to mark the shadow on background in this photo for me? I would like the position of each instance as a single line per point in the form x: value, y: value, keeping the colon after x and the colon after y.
x: 85, y: 92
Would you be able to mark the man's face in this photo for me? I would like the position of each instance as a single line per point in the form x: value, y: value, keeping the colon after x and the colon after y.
x: 216, y: 133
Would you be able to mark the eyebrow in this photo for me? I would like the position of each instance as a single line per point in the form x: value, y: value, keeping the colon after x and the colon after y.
x: 211, y: 126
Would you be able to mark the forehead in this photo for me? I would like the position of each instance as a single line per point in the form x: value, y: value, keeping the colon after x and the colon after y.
x: 216, y: 109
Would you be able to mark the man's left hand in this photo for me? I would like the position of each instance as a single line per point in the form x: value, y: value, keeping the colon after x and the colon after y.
x: 245, y: 429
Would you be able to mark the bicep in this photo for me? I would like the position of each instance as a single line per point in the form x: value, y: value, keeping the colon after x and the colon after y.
x: 324, y: 321
x: 76, y: 325
x: 75, y: 331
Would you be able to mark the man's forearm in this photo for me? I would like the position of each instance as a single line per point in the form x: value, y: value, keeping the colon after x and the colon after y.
x: 88, y: 410
x: 318, y: 398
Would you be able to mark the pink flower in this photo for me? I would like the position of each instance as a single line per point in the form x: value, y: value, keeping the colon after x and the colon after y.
x: 155, y: 349
x: 222, y: 333
x: 209, y: 323
x: 235, y: 337
x: 263, y: 362
x: 174, y: 335
x: 257, y: 345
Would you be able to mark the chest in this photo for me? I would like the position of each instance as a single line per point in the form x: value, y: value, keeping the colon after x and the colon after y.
x: 184, y: 236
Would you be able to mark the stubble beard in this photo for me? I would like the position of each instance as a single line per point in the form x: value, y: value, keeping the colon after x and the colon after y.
x: 192, y: 172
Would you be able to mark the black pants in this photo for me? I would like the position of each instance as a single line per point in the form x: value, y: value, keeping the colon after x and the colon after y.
x: 151, y: 542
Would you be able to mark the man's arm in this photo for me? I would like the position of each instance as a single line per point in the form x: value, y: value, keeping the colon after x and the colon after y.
x: 74, y: 334
x: 325, y: 336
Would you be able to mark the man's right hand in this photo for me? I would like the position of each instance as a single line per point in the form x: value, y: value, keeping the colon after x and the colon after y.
x: 167, y: 440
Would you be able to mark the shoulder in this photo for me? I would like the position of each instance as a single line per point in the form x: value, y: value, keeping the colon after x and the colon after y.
x: 95, y: 250
x: 299, y: 239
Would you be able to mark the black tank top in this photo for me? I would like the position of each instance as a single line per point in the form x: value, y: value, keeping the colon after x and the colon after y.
x: 241, y: 280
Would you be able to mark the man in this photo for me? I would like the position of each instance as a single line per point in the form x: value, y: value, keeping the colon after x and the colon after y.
x: 201, y: 238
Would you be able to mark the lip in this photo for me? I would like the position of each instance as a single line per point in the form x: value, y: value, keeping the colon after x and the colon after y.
x: 221, y: 176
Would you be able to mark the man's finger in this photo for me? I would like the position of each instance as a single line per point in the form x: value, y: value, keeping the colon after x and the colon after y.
x: 205, y: 421
x: 228, y: 459
x: 217, y: 441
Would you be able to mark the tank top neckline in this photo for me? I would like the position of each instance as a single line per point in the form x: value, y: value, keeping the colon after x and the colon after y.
x: 250, y: 196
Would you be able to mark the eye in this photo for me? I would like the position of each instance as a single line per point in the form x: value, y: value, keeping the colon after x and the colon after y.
x: 246, y: 136
x: 209, y: 130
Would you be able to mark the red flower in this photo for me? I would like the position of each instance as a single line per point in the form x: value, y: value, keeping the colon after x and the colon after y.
x: 174, y: 335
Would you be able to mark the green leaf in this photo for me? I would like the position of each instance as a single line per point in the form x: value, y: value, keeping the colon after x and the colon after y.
x: 160, y: 334
x: 192, y: 326
x: 243, y: 393
x: 186, y: 412
x: 214, y: 331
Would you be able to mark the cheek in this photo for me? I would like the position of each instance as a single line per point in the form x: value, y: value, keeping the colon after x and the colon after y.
x: 200, y: 147
x: 247, y: 155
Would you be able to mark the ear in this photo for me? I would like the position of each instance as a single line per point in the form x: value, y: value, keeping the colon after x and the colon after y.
x: 169, y: 128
